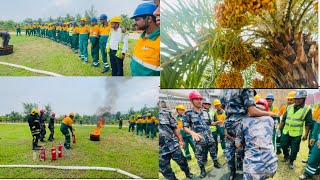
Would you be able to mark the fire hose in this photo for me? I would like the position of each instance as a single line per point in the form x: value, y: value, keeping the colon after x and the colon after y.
x: 30, y: 69
x: 73, y: 168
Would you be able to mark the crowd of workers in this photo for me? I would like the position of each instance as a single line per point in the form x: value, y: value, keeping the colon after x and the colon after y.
x: 252, y: 132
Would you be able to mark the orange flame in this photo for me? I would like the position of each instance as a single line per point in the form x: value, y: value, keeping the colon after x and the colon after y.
x: 97, y: 130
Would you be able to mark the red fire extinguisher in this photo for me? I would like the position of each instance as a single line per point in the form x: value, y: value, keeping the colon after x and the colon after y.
x: 53, y: 153
x: 42, y: 154
x: 60, y: 151
x: 74, y: 138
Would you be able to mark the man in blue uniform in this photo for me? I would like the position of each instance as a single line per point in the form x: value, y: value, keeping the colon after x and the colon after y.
x: 238, y: 103
x: 200, y: 132
x: 170, y: 144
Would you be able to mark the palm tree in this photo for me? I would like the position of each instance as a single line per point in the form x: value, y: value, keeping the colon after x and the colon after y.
x: 275, y: 46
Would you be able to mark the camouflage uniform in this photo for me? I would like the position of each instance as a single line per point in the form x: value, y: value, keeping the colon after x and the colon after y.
x: 260, y: 160
x: 199, y: 125
x: 236, y: 102
x: 207, y: 115
x: 169, y: 147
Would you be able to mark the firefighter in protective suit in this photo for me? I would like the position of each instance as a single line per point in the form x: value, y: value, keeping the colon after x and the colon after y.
x: 66, y: 125
x: 34, y: 124
x: 51, y: 126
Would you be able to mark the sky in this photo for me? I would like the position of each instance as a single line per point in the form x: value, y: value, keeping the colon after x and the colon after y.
x: 18, y: 10
x: 83, y: 95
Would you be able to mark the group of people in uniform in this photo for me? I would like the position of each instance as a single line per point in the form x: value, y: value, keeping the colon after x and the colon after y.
x: 144, y: 125
x: 37, y: 124
x: 109, y: 38
x: 252, y: 131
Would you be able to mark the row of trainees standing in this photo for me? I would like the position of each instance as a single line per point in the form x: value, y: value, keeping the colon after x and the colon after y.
x: 146, y: 124
x: 111, y: 39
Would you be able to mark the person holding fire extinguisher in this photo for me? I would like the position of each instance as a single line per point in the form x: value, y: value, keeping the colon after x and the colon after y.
x: 66, y: 125
x: 34, y: 125
x: 51, y: 126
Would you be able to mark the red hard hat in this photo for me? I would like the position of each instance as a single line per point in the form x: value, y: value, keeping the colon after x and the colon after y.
x: 264, y: 103
x: 195, y: 95
x: 53, y: 114
x: 41, y: 111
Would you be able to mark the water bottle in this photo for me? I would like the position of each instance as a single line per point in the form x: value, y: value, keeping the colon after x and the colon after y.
x: 218, y: 138
x: 34, y: 156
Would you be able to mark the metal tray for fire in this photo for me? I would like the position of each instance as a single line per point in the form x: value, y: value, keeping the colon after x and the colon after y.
x: 6, y: 50
x: 94, y: 137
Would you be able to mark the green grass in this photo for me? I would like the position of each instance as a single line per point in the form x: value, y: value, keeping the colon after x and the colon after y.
x: 283, y: 172
x: 45, y: 54
x: 117, y: 149
x: 13, y: 71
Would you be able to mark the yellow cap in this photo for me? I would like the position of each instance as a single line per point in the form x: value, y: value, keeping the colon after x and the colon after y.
x: 83, y: 19
x: 181, y: 107
x: 116, y: 19
x: 291, y: 95
x: 71, y: 114
x: 256, y: 98
x: 34, y: 111
x: 216, y: 102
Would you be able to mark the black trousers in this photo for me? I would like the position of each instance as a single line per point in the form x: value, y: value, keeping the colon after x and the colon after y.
x: 116, y: 64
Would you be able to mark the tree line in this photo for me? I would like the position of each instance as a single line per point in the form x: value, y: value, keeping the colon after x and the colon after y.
x: 9, y: 25
x: 22, y: 117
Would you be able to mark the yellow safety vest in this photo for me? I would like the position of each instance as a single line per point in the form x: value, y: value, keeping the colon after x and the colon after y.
x: 120, y: 45
x: 295, y: 121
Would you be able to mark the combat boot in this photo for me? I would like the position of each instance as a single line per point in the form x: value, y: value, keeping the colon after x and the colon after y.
x: 189, y: 174
x: 291, y: 165
x: 203, y: 173
x: 216, y: 164
x: 35, y: 146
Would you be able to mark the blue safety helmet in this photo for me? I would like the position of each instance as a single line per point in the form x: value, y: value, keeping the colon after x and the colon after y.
x: 270, y: 96
x: 144, y: 9
x: 103, y: 16
x: 94, y: 19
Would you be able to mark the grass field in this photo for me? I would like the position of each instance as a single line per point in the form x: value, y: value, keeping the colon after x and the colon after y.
x: 116, y: 149
x: 283, y: 172
x: 45, y: 54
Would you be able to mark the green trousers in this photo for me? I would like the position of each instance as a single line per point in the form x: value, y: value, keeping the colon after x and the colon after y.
x: 294, y: 142
x: 120, y: 124
x: 138, y: 128
x: 18, y: 31
x: 75, y: 43
x: 43, y: 33
x: 220, y: 130
x: 102, y: 44
x: 83, y: 45
x: 313, y: 163
x: 150, y: 130
x: 187, y: 138
x: 95, y: 50
x: 65, y: 131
